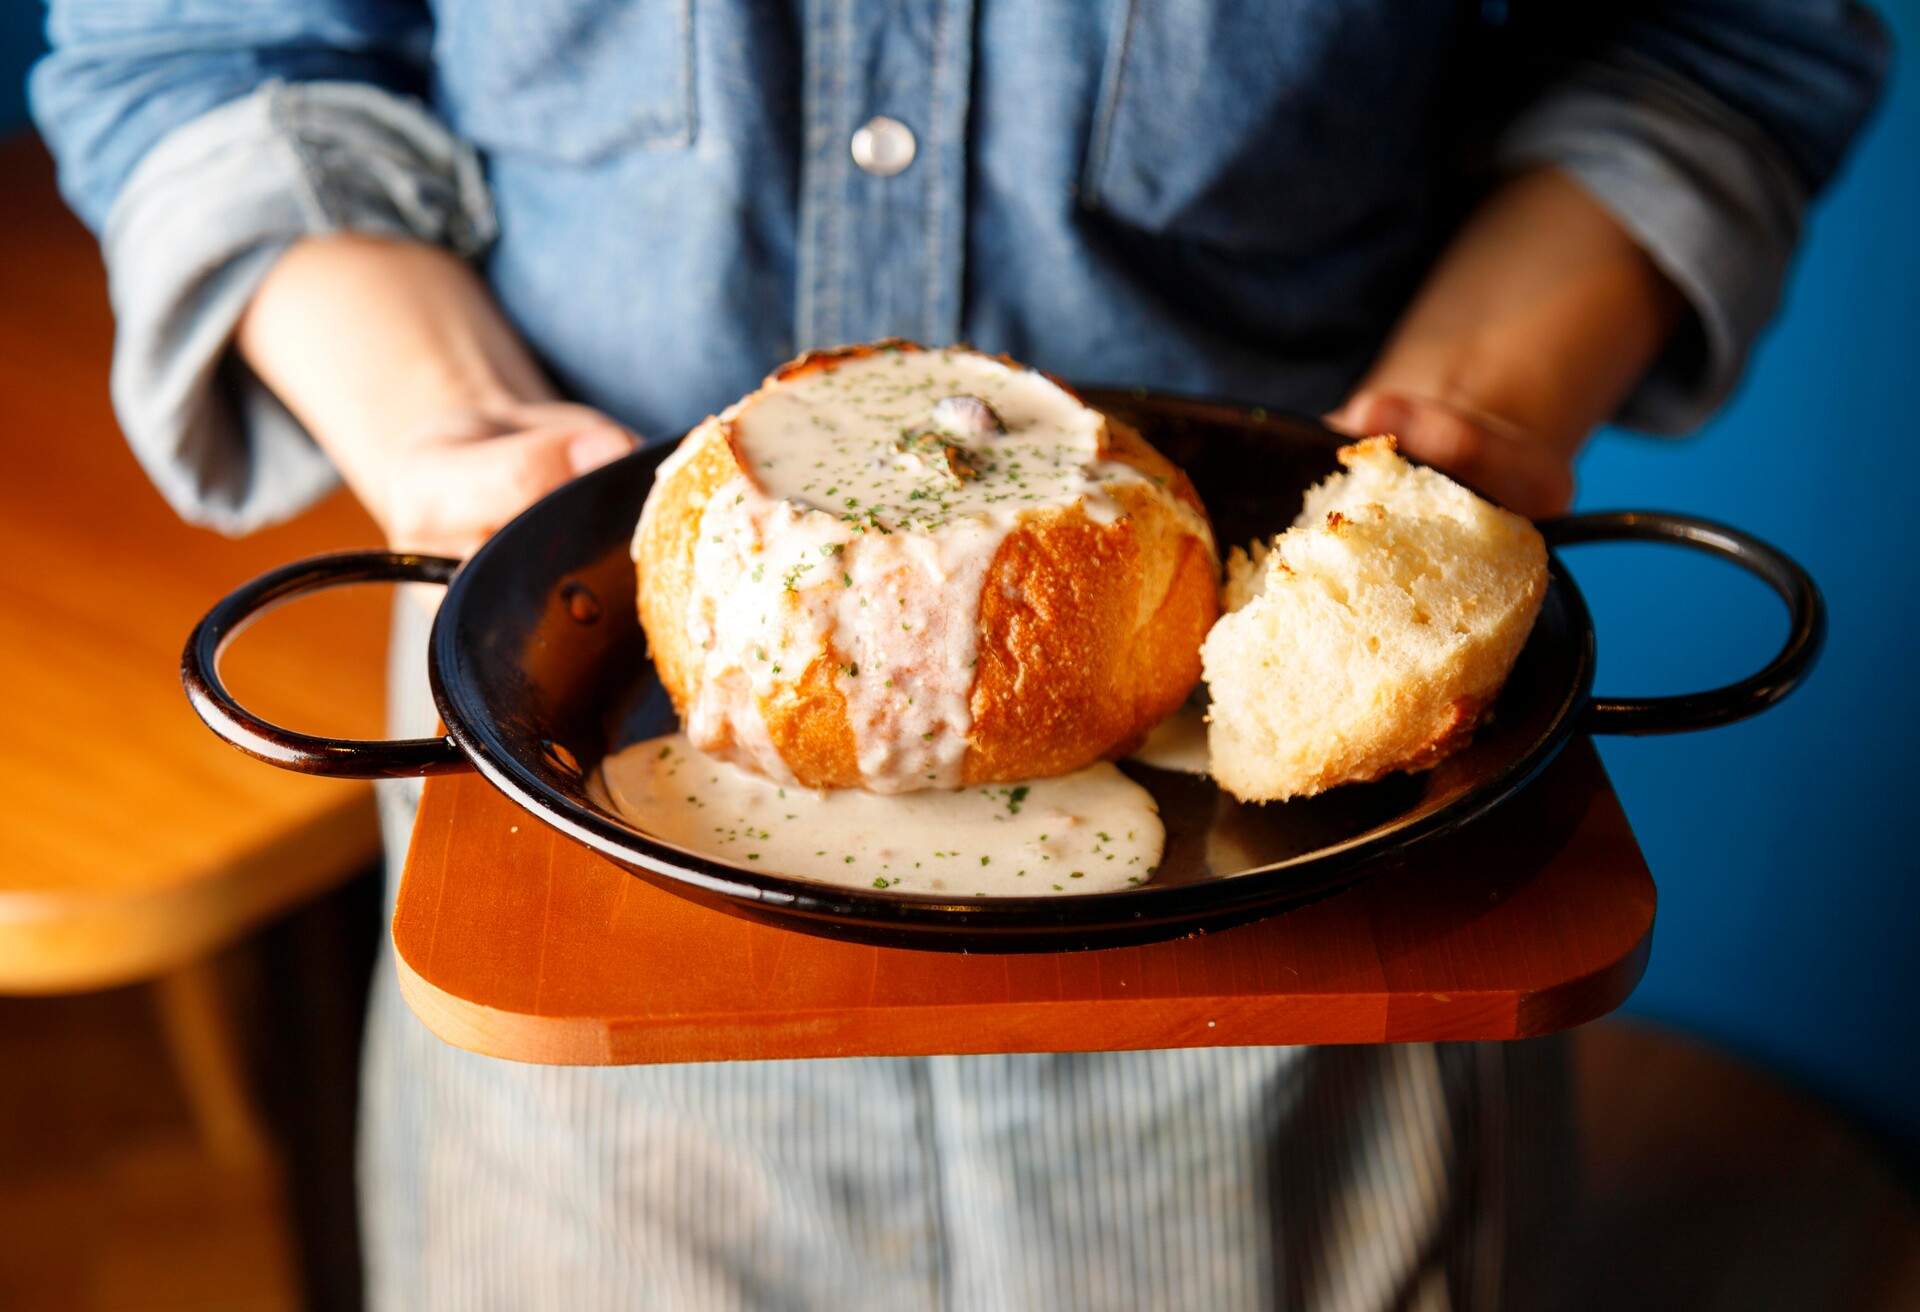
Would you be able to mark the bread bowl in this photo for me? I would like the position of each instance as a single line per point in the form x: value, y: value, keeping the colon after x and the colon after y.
x: 1370, y: 637
x: 896, y: 568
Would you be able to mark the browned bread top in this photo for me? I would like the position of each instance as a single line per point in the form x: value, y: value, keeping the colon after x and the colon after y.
x: 898, y: 568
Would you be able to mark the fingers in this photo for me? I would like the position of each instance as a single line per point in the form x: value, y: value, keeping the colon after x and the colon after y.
x: 1510, y: 467
x: 452, y: 497
x: 533, y: 415
x: 591, y: 448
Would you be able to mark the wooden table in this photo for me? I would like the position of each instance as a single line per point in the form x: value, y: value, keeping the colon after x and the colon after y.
x: 517, y: 942
x: 134, y: 841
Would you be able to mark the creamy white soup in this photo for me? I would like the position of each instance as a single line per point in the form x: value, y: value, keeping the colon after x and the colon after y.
x: 1093, y: 831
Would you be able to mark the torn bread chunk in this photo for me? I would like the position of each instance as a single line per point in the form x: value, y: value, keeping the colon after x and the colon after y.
x: 1370, y: 637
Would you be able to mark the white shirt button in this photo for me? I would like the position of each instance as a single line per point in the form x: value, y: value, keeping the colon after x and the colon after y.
x: 883, y: 146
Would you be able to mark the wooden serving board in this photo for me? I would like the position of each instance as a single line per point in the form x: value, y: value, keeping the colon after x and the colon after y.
x: 515, y: 941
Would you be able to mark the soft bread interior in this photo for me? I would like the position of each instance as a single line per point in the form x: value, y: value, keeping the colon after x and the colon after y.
x: 1372, y: 635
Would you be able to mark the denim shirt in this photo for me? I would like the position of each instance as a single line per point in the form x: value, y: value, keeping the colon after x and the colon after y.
x: 1214, y: 196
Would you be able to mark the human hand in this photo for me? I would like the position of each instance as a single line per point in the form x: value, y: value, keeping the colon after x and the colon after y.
x: 448, y: 486
x: 1531, y: 329
x: 396, y: 359
x: 1523, y: 472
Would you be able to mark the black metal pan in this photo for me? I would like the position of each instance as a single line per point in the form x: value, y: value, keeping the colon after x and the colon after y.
x: 539, y: 668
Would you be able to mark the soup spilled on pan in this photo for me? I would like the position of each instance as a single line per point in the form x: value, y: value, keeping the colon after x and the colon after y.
x: 1177, y: 743
x: 1093, y: 831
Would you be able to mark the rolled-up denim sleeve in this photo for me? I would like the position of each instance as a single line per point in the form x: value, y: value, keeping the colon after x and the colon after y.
x: 1705, y: 128
x: 194, y: 231
x: 200, y: 140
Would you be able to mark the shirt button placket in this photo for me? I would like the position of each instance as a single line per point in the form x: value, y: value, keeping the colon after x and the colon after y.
x: 883, y: 185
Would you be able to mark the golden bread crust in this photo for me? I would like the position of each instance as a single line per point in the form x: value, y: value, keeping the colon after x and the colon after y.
x: 807, y: 721
x: 663, y: 554
x: 1090, y: 635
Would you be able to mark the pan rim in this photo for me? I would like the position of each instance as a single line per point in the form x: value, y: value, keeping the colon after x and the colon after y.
x: 932, y: 921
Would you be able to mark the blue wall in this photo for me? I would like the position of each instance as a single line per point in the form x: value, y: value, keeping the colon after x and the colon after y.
x: 1789, y: 902
x: 1786, y: 869
x: 20, y: 41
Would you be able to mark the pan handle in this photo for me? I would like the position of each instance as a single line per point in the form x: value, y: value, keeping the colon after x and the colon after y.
x: 1807, y: 614
x: 343, y: 758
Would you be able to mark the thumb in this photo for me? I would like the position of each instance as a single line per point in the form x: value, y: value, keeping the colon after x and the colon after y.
x: 1494, y: 458
x: 1366, y: 414
x: 596, y: 445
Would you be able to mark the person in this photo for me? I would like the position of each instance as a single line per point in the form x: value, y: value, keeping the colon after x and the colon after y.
x: 455, y: 256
